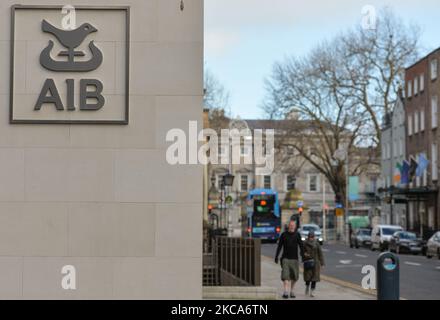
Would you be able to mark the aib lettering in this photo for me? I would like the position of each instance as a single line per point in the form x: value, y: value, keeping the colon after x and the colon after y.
x: 89, y: 89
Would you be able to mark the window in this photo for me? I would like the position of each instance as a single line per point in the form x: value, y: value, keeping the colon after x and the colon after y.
x: 434, y: 165
x: 416, y: 122
x: 416, y: 86
x: 267, y: 182
x: 410, y: 132
x: 244, y: 183
x: 422, y: 82
x: 434, y: 112
x: 422, y: 120
x: 290, y: 182
x: 434, y: 67
x: 313, y: 183
x: 409, y: 90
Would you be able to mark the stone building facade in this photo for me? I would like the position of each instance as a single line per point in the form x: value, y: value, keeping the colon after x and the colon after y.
x: 393, y: 142
x: 100, y: 197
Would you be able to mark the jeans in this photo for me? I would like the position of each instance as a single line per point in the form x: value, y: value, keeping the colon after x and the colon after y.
x: 313, y: 284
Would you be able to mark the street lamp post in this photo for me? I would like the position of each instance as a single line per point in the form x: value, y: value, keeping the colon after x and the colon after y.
x: 228, y: 181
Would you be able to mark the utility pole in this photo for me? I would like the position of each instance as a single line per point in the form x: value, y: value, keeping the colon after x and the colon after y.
x: 324, y: 232
x: 347, y: 175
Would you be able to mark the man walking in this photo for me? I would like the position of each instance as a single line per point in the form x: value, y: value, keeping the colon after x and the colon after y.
x: 289, y: 241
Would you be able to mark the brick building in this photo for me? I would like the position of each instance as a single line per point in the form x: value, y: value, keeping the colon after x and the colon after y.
x: 422, y: 86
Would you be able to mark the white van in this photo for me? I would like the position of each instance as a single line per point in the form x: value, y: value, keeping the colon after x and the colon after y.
x: 381, y: 236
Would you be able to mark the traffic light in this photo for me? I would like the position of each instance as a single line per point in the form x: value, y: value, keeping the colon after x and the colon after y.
x: 210, y: 208
x: 300, y: 211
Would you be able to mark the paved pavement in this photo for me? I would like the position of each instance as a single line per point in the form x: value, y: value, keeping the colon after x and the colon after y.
x: 419, y: 276
x: 270, y: 274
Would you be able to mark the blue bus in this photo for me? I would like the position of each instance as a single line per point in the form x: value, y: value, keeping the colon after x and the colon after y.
x: 264, y: 214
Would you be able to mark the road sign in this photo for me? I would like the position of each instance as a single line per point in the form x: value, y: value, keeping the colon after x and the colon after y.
x: 339, y: 212
x: 300, y: 204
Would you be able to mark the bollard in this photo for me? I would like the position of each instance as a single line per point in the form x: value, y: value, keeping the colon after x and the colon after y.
x: 388, y: 277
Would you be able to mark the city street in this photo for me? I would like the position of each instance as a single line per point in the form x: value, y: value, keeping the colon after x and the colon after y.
x: 419, y: 278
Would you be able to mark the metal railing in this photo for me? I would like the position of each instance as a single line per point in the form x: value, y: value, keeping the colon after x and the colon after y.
x: 233, y: 262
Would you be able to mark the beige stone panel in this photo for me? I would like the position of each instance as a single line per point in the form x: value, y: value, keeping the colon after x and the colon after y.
x: 11, y: 174
x: 4, y: 66
x: 111, y: 229
x: 29, y: 135
x: 139, y: 134
x: 108, y: 23
x: 137, y: 176
x: 145, y: 176
x: 175, y: 112
x: 121, y: 76
x: 187, y: 218
x: 177, y: 26
x: 180, y: 183
x: 10, y: 277
x: 19, y: 67
x: 46, y: 175
x: 69, y: 175
x: 158, y: 278
x: 42, y: 278
x: 143, y: 27
x: 90, y: 175
x: 167, y: 68
x: 33, y: 229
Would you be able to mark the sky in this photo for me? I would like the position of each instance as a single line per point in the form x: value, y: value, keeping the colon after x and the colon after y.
x: 244, y: 38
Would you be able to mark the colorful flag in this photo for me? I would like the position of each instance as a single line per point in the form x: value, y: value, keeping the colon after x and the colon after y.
x: 353, y: 188
x: 404, y: 173
x: 398, y: 173
x: 423, y: 165
x: 412, y: 169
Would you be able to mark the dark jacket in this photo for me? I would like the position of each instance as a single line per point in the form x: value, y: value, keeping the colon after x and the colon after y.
x: 312, y: 250
x: 290, y: 242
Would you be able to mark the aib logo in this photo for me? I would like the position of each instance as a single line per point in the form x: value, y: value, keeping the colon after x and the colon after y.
x: 71, y: 60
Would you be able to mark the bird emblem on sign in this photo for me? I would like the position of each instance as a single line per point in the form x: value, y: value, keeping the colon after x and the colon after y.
x: 70, y: 39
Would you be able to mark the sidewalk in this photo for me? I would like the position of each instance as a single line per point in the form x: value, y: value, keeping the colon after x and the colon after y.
x: 270, y: 277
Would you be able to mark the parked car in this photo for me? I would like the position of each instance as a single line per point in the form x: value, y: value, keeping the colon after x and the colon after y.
x: 404, y: 241
x: 304, y: 232
x: 433, y: 246
x: 361, y: 238
x: 381, y: 236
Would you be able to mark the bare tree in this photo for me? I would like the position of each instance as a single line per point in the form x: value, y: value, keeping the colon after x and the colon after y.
x: 375, y: 62
x: 216, y: 96
x: 340, y: 91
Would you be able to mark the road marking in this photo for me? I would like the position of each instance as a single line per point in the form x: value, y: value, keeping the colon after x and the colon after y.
x: 412, y: 263
x: 438, y: 268
x: 349, y: 266
x: 361, y: 256
x: 344, y: 261
x: 341, y: 252
x: 325, y: 250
